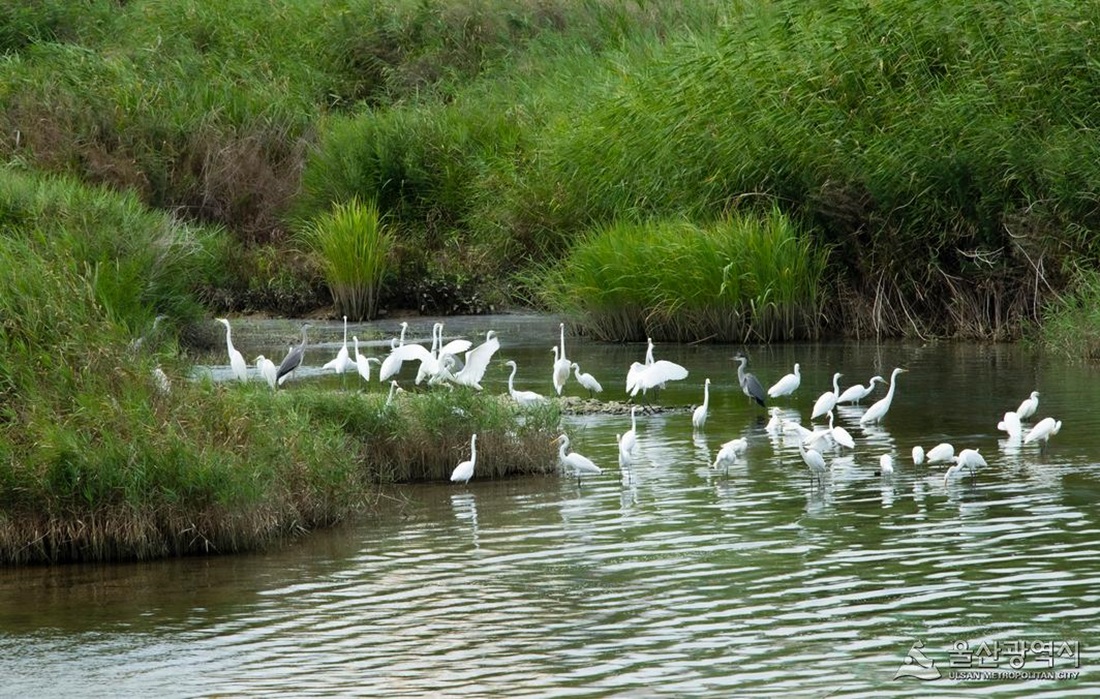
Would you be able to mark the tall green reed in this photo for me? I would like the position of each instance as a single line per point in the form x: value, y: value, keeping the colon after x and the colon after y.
x: 354, y: 246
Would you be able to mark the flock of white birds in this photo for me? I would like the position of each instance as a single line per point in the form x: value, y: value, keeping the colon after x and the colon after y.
x: 439, y: 364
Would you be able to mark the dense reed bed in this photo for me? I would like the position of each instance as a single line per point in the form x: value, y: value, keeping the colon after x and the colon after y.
x: 746, y: 278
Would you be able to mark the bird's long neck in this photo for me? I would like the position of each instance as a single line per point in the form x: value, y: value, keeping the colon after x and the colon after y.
x: 893, y: 383
x: 345, y: 330
x: 836, y: 384
x: 562, y: 328
x: 511, y: 379
x: 228, y: 337
x: 473, y: 448
x: 706, y: 393
x: 741, y: 370
x: 561, y: 448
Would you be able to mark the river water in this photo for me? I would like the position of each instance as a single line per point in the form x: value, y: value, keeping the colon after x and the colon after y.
x: 669, y: 579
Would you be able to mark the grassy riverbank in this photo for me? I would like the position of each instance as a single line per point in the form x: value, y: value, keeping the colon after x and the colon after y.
x: 942, y: 154
x: 100, y: 461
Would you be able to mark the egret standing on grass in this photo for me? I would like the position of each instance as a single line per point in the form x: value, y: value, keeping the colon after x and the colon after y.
x: 827, y: 401
x: 236, y: 359
x: 877, y: 411
x: 786, y: 385
x: 750, y: 385
x: 586, y: 380
x: 580, y: 464
x: 699, y: 416
x: 267, y: 369
x: 293, y: 359
x: 465, y: 470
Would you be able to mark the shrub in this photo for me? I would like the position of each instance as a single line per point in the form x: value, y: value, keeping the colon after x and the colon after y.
x: 354, y: 247
x: 747, y: 277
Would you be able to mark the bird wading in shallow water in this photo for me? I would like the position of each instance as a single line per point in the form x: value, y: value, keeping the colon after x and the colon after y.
x: 465, y: 470
x: 699, y: 415
x: 580, y: 465
x: 293, y: 359
x: 877, y: 411
x: 750, y: 385
x: 786, y: 385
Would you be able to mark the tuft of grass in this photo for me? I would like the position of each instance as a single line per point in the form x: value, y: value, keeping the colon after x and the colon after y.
x: 1071, y: 321
x: 354, y: 246
x: 746, y: 277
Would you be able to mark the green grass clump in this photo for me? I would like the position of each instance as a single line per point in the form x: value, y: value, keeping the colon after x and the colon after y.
x: 354, y: 246
x: 1071, y: 321
x: 746, y: 277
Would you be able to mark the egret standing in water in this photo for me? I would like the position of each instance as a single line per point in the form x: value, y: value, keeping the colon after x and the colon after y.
x: 523, y: 398
x: 580, y: 464
x: 728, y: 453
x: 1029, y: 406
x: 967, y: 458
x: 827, y: 401
x: 814, y: 460
x: 1010, y: 424
x: 465, y: 470
x: 942, y: 453
x: 854, y: 394
x: 786, y: 385
x: 625, y: 458
x: 236, y: 359
x: 877, y: 411
x: 885, y: 465
x: 750, y: 385
x: 293, y: 359
x: 1043, y: 431
x: 630, y: 437
x: 342, y: 361
x: 699, y: 416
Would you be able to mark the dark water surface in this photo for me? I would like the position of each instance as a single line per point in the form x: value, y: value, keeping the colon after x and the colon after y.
x: 669, y: 580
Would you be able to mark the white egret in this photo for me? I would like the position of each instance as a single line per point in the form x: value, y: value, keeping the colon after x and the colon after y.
x: 625, y: 458
x: 630, y: 437
x: 636, y: 369
x: 840, y: 435
x: 819, y: 438
x: 465, y: 470
x: 477, y: 361
x: 267, y: 370
x: 362, y: 362
x: 236, y: 359
x: 1010, y: 424
x: 877, y: 411
x: 586, y: 380
x: 699, y: 415
x: 1043, y: 431
x: 729, y: 452
x: 1029, y: 406
x: 827, y: 401
x: 968, y: 459
x: 940, y: 454
x: 293, y: 359
x: 750, y: 385
x: 524, y: 398
x: 775, y: 424
x: 561, y: 363
x: 580, y: 464
x: 391, y: 365
x: 342, y: 361
x: 854, y: 394
x: 394, y: 390
x: 918, y: 455
x: 656, y: 375
x: 814, y: 460
x: 885, y: 465
x: 786, y: 385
